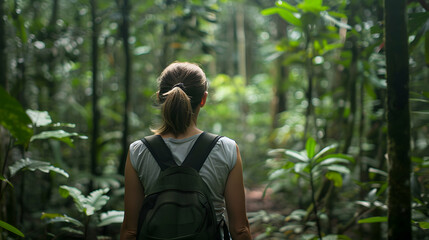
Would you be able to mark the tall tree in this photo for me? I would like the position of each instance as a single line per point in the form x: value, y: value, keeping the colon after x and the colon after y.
x: 125, y: 9
x: 398, y: 120
x: 3, y: 57
x: 95, y: 111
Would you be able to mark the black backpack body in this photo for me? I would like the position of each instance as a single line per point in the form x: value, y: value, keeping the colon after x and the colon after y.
x: 179, y: 206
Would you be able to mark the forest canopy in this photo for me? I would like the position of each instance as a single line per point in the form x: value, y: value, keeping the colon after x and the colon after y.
x: 328, y: 101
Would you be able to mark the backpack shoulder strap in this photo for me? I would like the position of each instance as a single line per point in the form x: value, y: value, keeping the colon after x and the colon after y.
x: 201, y: 150
x: 159, y: 150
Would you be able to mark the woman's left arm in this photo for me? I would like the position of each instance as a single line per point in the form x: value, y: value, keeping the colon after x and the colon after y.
x: 133, y: 199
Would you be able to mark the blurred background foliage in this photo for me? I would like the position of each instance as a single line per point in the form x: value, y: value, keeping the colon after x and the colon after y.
x: 77, y: 83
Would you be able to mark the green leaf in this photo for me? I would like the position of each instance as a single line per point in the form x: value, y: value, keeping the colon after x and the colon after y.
x: 338, y: 168
x: 50, y: 215
x: 11, y: 228
x: 6, y: 181
x: 310, y: 147
x: 300, y: 167
x: 76, y: 194
x: 283, y: 13
x: 417, y: 21
x: 335, y: 177
x: 378, y: 171
x: 39, y: 118
x: 111, y: 217
x: 336, y: 156
x: 314, y: 6
x: 424, y: 225
x: 296, y: 155
x: 286, y: 6
x: 60, y: 135
x: 72, y: 231
x: 14, y: 118
x: 373, y: 220
x: 96, y: 200
x: 324, y: 151
x: 34, y: 165
x: 63, y: 219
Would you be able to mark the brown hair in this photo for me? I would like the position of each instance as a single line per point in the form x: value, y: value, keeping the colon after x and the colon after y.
x: 181, y: 88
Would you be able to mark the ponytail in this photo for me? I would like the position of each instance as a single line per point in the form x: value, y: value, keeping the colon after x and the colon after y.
x: 181, y: 89
x: 176, y: 112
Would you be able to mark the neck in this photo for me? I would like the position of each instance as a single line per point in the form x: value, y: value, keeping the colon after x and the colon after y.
x: 191, y: 131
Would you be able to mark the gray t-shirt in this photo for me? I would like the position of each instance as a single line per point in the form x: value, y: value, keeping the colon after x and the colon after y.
x: 214, y: 172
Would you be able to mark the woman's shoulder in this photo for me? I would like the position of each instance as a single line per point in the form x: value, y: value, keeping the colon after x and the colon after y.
x: 226, y: 141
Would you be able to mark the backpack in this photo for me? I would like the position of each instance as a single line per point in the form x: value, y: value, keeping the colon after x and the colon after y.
x: 179, y: 206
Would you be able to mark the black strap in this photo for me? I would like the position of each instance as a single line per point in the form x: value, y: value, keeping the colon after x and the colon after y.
x: 159, y: 151
x: 200, y: 151
x: 196, y: 157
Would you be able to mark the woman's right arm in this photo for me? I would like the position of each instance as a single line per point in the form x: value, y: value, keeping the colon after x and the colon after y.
x: 236, y: 203
x: 133, y: 199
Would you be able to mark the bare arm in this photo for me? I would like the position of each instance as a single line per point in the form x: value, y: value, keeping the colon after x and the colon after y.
x: 236, y: 203
x: 133, y: 199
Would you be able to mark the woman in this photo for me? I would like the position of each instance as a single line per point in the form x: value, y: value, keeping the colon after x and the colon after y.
x: 182, y: 93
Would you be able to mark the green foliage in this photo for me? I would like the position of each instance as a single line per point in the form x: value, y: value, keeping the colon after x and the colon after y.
x: 87, y: 205
x: 310, y: 165
x: 14, y: 118
x: 11, y: 228
x: 34, y: 165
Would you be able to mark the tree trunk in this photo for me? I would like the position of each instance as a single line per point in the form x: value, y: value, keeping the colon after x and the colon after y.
x: 127, y: 80
x: 398, y: 120
x: 3, y: 56
x: 280, y: 74
x: 95, y: 111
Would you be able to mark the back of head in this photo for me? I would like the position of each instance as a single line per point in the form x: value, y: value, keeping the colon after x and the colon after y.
x: 181, y: 88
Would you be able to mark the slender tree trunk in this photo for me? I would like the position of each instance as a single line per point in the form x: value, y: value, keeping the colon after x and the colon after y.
x: 398, y: 121
x: 309, y: 94
x: 95, y: 111
x: 127, y: 80
x: 281, y: 73
x: 241, y: 42
x: 3, y: 56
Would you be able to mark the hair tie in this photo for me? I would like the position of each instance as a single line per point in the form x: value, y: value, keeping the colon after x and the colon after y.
x: 180, y: 85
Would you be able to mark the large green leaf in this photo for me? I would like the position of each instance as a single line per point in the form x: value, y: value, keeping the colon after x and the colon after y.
x: 39, y: 118
x: 111, y: 217
x: 11, y: 228
x: 88, y: 205
x: 14, y: 118
x: 60, y: 135
x: 34, y: 165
